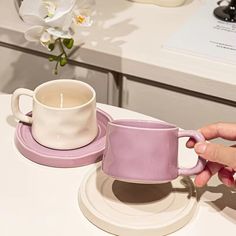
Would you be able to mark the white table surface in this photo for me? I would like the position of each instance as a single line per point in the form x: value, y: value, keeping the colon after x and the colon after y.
x: 43, y: 201
x: 128, y: 37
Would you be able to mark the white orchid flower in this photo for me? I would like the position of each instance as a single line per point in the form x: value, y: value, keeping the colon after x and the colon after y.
x: 51, y: 8
x: 82, y: 12
x: 48, y: 17
x: 54, y: 23
x: 58, y: 14
x: 45, y: 36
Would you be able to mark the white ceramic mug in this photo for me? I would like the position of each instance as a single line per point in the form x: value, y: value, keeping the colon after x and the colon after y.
x: 63, y: 114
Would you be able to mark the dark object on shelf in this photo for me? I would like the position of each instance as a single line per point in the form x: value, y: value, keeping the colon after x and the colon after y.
x: 226, y: 13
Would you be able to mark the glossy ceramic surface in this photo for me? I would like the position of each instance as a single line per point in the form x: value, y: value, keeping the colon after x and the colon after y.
x: 35, y: 152
x: 64, y: 113
x: 145, y: 151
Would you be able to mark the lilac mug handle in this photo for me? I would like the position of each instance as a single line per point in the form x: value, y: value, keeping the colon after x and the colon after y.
x: 201, y: 162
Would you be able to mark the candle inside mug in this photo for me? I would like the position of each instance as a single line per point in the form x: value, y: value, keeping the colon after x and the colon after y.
x: 62, y: 96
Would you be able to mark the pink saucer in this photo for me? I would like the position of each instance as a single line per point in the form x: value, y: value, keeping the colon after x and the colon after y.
x: 86, y: 155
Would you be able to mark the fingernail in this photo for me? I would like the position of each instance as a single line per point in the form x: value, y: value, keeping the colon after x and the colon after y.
x: 200, y: 148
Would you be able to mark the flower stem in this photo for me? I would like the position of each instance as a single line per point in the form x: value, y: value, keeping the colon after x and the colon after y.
x: 56, y: 68
x: 62, y: 57
x: 62, y: 48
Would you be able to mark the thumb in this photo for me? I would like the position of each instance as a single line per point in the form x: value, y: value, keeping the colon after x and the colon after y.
x: 217, y: 153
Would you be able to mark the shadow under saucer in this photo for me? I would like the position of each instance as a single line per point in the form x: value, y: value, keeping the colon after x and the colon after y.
x: 123, y: 208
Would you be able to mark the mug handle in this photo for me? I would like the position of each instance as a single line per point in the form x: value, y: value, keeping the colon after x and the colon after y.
x: 201, y: 162
x: 15, y: 106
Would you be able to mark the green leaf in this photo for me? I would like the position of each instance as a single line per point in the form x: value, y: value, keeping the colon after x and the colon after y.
x: 63, y: 61
x: 68, y: 43
x: 53, y: 58
x: 51, y: 46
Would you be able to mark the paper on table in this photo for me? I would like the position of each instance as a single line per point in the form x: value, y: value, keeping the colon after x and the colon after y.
x: 206, y: 36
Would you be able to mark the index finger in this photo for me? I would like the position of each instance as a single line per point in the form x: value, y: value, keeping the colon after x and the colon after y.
x: 219, y: 130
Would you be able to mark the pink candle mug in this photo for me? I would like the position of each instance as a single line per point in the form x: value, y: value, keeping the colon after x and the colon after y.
x: 146, y: 151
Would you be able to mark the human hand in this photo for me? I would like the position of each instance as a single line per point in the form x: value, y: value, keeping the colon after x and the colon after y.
x: 221, y: 159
